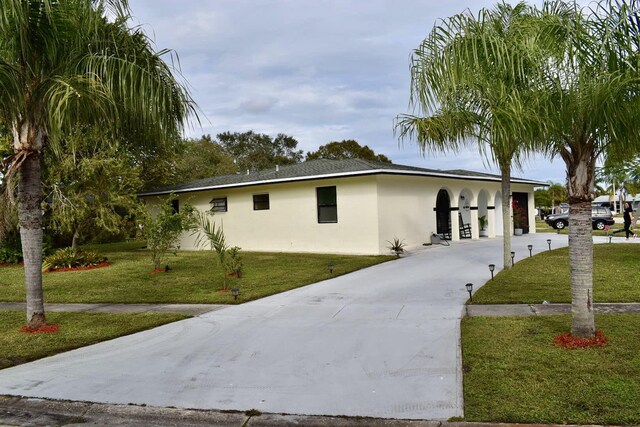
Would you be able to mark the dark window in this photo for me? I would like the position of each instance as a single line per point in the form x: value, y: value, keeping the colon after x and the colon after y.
x: 327, y: 205
x: 175, y: 204
x: 219, y: 204
x: 260, y: 202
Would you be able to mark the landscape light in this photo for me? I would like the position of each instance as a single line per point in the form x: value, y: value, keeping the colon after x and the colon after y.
x: 469, y: 287
x: 235, y: 292
x: 491, y: 268
x: 513, y: 254
x: 549, y: 243
x: 530, y: 247
x: 330, y: 268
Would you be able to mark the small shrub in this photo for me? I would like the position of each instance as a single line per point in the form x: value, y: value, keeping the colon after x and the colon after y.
x: 163, y: 230
x: 396, y: 246
x: 233, y: 261
x: 70, y: 258
x: 10, y: 255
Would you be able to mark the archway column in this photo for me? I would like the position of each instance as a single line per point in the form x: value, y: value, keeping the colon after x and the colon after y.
x: 455, y: 225
x: 475, y: 227
x: 491, y: 217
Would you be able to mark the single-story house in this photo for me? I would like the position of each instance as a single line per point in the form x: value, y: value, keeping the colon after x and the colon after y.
x: 348, y: 206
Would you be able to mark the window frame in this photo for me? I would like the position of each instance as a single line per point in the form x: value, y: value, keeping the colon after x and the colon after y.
x: 224, y: 208
x: 257, y: 202
x: 321, y: 207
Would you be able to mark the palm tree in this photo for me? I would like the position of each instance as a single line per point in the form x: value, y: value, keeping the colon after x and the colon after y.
x: 589, y: 102
x: 464, y: 79
x: 64, y: 63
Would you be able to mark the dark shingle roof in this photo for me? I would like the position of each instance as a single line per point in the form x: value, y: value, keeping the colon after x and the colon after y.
x: 318, y: 169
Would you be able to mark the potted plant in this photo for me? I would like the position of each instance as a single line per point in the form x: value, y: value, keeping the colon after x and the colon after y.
x: 396, y: 246
x: 483, y: 222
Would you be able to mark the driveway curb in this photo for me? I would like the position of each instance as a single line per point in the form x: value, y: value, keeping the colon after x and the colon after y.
x: 20, y: 411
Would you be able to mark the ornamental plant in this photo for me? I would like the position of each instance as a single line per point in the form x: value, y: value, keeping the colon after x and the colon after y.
x: 519, y: 215
x: 72, y: 258
x: 233, y: 263
x: 211, y: 235
x: 163, y: 230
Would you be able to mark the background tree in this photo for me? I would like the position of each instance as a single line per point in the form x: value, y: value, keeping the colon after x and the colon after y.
x: 202, y: 158
x: 65, y: 63
x: 346, y: 149
x: 90, y: 186
x: 253, y: 151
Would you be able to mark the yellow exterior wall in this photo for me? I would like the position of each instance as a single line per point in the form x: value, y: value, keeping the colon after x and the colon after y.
x: 291, y: 223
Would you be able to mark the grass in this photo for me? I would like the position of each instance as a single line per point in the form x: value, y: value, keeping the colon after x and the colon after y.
x: 195, y: 277
x: 546, y: 277
x: 76, y: 330
x: 514, y: 373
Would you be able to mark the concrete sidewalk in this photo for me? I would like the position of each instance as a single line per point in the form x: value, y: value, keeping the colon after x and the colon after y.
x: 492, y: 310
x: 38, y: 412
x: 502, y: 310
x: 188, y: 309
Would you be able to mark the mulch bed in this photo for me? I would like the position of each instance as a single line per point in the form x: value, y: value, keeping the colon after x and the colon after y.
x: 10, y: 264
x: 570, y: 342
x: 44, y: 329
x: 89, y: 267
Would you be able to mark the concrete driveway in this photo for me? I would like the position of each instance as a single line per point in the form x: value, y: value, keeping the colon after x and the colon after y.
x: 380, y: 342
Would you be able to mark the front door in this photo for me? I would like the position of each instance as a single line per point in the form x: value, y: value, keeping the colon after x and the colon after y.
x: 522, y: 201
x: 443, y: 214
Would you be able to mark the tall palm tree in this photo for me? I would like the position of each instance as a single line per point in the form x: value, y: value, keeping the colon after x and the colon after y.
x: 589, y: 101
x: 464, y: 79
x: 64, y: 63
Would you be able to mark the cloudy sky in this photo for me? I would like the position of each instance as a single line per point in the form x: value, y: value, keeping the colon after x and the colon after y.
x: 318, y: 70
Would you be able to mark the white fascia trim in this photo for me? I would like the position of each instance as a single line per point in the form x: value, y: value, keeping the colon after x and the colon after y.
x: 340, y: 175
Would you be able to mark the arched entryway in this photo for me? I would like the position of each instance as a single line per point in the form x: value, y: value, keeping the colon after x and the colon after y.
x: 443, y: 214
x: 465, y: 201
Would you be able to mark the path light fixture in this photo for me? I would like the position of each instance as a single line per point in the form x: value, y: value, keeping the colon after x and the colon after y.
x: 469, y: 287
x: 235, y: 292
x: 330, y: 268
x: 609, y: 239
x: 491, y: 268
x: 513, y: 254
x: 530, y: 247
x: 549, y: 243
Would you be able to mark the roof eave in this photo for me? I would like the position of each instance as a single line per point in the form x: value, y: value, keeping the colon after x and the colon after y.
x: 339, y: 175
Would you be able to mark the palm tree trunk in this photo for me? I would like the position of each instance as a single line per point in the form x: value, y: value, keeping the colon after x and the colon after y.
x: 30, y: 218
x: 581, y: 263
x: 581, y: 188
x: 505, y: 172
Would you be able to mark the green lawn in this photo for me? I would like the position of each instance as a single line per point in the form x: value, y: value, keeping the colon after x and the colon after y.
x: 514, y: 373
x: 76, y: 330
x: 545, y: 277
x: 195, y: 277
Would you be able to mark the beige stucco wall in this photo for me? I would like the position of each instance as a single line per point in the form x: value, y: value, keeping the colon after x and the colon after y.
x: 291, y: 223
x: 372, y: 210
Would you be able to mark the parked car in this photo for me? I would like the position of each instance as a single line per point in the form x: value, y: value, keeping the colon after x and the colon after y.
x: 600, y: 218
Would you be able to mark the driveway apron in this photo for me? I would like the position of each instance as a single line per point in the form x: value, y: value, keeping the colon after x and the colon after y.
x: 380, y: 342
